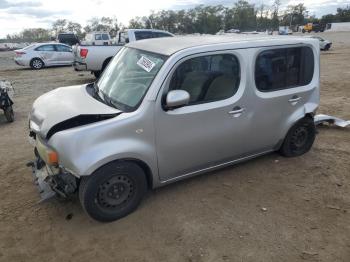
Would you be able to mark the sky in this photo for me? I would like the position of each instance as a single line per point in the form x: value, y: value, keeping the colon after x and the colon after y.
x: 15, y: 15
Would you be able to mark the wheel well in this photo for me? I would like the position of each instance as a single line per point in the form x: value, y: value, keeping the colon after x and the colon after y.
x: 147, y: 171
x: 140, y: 163
x: 309, y: 115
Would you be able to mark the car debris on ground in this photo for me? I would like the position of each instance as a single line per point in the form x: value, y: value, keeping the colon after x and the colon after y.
x: 321, y: 118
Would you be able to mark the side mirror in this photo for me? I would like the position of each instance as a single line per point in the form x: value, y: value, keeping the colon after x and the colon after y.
x: 176, y: 99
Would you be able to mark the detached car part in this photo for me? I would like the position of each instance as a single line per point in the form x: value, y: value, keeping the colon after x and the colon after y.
x: 319, y: 119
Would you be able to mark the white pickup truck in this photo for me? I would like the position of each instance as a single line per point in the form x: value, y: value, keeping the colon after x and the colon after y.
x: 95, y: 58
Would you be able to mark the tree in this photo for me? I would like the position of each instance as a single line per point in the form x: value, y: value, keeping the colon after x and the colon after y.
x: 104, y: 23
x: 75, y: 28
x: 275, y: 15
x: 59, y: 26
x: 244, y: 16
x: 136, y: 23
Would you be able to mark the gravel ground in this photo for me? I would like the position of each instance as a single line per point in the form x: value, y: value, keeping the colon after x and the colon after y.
x: 268, y: 209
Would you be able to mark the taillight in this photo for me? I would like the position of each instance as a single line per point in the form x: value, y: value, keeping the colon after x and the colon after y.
x: 20, y: 53
x: 83, y: 52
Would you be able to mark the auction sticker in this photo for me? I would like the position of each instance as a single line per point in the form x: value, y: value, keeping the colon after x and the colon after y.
x: 146, y: 64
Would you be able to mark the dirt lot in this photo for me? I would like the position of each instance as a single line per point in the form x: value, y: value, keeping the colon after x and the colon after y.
x: 213, y: 217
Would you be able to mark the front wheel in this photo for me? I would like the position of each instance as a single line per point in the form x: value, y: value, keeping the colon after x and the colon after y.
x: 113, y: 191
x: 9, y: 114
x: 300, y: 138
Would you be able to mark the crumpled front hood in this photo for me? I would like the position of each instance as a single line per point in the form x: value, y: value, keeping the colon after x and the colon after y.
x: 65, y: 103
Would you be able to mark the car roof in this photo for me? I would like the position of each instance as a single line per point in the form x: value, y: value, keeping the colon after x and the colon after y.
x: 168, y: 46
x: 149, y: 30
x: 49, y: 43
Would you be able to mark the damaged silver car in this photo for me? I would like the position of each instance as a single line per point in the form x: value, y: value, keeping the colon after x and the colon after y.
x: 168, y: 109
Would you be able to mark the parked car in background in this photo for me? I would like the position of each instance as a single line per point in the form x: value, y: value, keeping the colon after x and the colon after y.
x: 68, y: 39
x: 168, y: 109
x: 284, y: 30
x: 95, y: 58
x: 97, y: 38
x: 325, y: 44
x: 42, y: 55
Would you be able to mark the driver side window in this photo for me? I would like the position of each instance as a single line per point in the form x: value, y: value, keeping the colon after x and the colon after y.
x: 207, y: 78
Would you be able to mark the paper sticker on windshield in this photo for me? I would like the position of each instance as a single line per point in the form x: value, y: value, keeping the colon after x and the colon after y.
x: 146, y: 64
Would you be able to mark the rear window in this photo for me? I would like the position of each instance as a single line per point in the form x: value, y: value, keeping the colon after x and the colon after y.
x: 283, y: 68
x: 139, y: 35
x: 161, y: 34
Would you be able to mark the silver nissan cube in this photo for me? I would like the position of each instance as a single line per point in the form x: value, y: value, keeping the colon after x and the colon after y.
x: 172, y: 108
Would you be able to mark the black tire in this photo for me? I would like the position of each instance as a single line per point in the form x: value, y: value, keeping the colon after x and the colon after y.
x: 303, y: 31
x: 326, y: 48
x: 105, y: 63
x: 9, y: 114
x: 299, y: 138
x: 97, y: 74
x: 113, y: 191
x: 36, y: 63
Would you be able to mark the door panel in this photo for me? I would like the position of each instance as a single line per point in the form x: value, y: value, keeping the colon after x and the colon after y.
x: 284, y: 83
x: 202, y: 135
x: 64, y: 55
x: 47, y: 53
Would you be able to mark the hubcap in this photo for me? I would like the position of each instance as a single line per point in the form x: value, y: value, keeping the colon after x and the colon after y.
x: 37, y: 63
x: 115, y: 191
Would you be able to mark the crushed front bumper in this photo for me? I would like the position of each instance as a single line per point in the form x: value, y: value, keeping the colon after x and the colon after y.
x: 41, y: 175
x: 61, y: 183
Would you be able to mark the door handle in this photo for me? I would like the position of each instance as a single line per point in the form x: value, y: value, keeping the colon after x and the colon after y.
x: 294, y: 100
x: 236, y: 111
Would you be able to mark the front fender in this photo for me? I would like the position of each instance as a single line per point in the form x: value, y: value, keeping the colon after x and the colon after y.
x: 82, y: 150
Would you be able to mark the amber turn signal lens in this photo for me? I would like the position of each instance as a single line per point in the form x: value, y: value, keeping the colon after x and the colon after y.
x: 52, y: 158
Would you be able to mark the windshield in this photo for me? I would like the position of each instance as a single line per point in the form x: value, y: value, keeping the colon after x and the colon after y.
x: 128, y: 76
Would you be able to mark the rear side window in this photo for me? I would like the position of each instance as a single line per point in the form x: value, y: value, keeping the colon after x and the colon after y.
x: 207, y: 78
x: 105, y: 37
x: 284, y: 68
x: 161, y: 34
x: 98, y: 37
x: 45, y: 48
x: 139, y: 35
x: 62, y: 48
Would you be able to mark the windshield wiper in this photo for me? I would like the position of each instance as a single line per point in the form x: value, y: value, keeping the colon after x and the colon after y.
x: 104, y: 98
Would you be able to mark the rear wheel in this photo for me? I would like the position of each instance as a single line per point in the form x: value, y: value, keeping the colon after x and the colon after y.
x: 9, y: 114
x: 300, y: 138
x: 113, y: 191
x: 97, y: 74
x: 36, y: 63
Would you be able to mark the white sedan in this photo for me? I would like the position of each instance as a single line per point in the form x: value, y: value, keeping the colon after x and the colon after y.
x: 325, y: 45
x: 42, y: 55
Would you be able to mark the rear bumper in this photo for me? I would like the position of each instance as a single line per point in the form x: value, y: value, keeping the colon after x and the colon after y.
x: 79, y: 66
x: 19, y: 62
